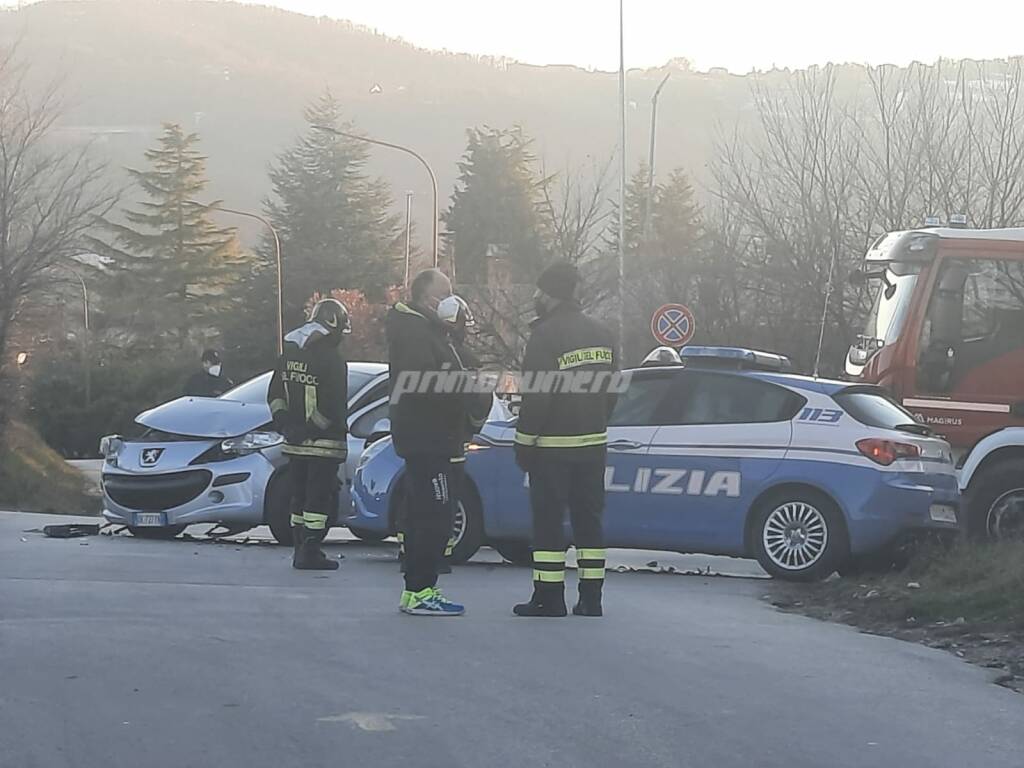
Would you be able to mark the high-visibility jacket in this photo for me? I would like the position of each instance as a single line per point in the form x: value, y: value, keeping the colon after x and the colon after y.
x: 568, y: 385
x: 308, y: 394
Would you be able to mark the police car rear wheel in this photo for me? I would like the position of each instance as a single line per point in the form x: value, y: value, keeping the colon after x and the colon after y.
x: 799, y: 536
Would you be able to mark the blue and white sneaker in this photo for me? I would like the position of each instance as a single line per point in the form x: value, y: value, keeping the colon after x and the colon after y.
x: 430, y: 602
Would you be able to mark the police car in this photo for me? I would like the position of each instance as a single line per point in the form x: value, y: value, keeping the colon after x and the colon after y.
x: 727, y: 454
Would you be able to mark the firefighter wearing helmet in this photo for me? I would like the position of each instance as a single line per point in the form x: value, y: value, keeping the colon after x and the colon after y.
x: 308, y: 398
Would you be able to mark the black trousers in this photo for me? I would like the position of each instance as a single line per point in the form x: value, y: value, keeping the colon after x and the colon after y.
x: 555, y: 485
x: 431, y: 490
x: 314, y: 484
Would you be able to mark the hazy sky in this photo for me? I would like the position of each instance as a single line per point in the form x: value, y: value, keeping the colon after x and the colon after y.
x: 736, y: 34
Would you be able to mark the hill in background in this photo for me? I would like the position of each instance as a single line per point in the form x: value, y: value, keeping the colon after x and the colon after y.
x: 240, y: 75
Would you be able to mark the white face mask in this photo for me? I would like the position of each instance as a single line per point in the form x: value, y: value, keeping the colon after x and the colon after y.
x: 214, y: 370
x: 448, y: 309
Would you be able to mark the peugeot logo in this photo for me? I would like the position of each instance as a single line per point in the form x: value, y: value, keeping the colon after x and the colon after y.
x: 150, y: 456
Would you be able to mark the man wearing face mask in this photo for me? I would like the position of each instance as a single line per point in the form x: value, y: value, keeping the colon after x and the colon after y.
x: 561, y: 442
x: 308, y: 399
x: 428, y: 418
x: 211, y: 381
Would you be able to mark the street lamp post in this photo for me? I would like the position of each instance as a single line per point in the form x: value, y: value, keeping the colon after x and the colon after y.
x: 622, y: 184
x: 650, y: 156
x: 408, y: 151
x: 277, y: 258
x: 408, y: 236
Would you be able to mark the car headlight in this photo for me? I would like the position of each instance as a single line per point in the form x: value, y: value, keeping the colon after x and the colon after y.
x: 110, y: 447
x: 372, y: 450
x: 250, y: 443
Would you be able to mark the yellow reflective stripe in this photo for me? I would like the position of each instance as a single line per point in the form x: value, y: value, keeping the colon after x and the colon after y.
x: 401, y: 537
x: 406, y: 309
x: 456, y: 459
x: 309, y: 450
x: 591, y: 554
x: 319, y: 420
x: 549, y: 576
x: 278, y: 404
x: 585, y: 356
x: 548, y: 556
x: 590, y: 573
x: 297, y: 519
x: 310, y: 401
x: 314, y: 521
x: 449, y: 547
x: 571, y: 441
x: 524, y: 439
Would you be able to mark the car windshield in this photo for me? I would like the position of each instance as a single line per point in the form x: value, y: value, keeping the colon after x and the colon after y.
x: 255, y: 390
x: 889, y: 312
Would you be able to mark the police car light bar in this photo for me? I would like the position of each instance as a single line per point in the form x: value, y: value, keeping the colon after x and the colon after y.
x: 734, y: 358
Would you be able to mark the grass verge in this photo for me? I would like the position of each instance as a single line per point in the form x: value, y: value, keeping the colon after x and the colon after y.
x: 34, y: 478
x: 968, y: 599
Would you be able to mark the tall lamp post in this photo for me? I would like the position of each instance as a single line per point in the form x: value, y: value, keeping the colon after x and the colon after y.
x: 650, y: 156
x: 408, y: 236
x: 408, y: 151
x: 277, y: 258
x: 622, y: 184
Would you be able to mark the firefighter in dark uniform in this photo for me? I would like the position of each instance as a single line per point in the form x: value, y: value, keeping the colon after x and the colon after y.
x: 428, y: 419
x: 561, y: 442
x: 308, y: 399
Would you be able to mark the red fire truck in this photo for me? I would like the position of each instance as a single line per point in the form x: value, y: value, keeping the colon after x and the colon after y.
x: 946, y: 336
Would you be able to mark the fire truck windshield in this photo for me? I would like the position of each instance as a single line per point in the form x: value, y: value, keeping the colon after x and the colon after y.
x: 889, y: 311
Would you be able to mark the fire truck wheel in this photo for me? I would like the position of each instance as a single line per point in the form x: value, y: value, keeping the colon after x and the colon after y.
x: 995, y: 503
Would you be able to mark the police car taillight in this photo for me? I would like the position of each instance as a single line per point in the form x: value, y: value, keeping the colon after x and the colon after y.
x: 885, y: 452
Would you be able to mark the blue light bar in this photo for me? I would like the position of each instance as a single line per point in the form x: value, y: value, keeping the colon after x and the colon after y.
x: 734, y: 358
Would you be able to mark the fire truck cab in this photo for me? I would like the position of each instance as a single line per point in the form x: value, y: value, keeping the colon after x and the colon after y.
x: 946, y: 336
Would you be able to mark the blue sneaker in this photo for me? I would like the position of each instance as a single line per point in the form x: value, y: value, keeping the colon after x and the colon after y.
x: 430, y: 602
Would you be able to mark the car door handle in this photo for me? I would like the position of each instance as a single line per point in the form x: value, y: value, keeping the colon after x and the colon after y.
x: 625, y: 445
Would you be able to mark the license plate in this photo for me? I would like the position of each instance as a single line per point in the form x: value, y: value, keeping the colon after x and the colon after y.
x: 942, y: 513
x: 150, y: 519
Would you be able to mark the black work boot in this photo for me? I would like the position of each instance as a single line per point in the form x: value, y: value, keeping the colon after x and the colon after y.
x: 311, y: 557
x: 589, y: 603
x: 298, y: 534
x: 547, y: 600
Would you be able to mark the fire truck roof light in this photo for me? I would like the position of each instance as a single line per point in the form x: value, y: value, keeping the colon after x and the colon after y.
x: 734, y: 358
x: 958, y: 220
x: 932, y: 221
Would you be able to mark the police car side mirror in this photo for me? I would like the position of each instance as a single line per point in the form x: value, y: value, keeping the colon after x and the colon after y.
x: 382, y: 426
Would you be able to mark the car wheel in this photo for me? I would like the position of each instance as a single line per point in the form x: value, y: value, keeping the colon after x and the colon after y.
x: 468, y: 529
x: 995, y: 505
x: 365, y: 535
x: 163, y: 533
x: 799, y: 536
x: 277, y: 509
x: 516, y: 552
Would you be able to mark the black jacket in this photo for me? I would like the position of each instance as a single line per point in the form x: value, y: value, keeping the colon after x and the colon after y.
x: 430, y: 409
x: 567, y: 349
x: 203, y: 384
x: 308, y: 395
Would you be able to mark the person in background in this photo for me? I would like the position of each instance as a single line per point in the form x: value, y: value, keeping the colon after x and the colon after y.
x: 211, y: 381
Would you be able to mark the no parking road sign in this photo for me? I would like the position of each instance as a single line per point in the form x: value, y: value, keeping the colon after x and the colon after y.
x: 673, y: 325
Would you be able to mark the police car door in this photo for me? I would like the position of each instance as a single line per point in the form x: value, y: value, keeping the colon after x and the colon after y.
x: 638, y: 413
x: 723, y: 439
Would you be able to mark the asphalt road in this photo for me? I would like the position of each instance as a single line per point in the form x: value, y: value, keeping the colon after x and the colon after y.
x: 120, y: 652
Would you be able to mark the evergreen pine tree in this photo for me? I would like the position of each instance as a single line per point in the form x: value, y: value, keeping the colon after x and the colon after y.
x: 335, y: 222
x: 494, y: 208
x: 177, y: 267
